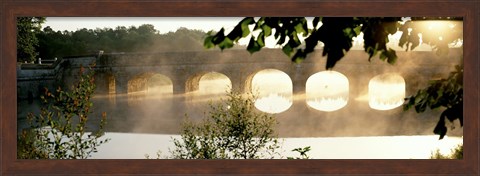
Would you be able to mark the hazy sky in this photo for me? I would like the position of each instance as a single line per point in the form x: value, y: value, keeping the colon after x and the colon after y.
x: 162, y: 24
x: 171, y: 24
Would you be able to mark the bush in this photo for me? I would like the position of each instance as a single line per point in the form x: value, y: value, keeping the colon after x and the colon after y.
x: 60, y: 131
x: 457, y: 153
x: 233, y: 129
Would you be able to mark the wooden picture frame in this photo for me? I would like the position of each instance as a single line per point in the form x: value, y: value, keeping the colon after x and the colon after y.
x: 11, y: 9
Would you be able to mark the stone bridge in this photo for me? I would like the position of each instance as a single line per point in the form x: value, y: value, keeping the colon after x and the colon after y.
x: 121, y: 73
x: 186, y: 68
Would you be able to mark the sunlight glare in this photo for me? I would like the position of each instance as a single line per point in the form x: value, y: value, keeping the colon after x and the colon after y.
x: 159, y: 84
x: 274, y: 89
x: 214, y: 83
x: 386, y: 91
x: 273, y: 103
x: 327, y: 91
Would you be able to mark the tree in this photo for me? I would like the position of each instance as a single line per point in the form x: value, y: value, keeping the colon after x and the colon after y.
x: 57, y: 44
x: 27, y: 30
x: 60, y: 130
x: 234, y: 129
x: 336, y: 34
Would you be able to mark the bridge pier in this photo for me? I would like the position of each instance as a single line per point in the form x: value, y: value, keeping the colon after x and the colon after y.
x: 179, y: 85
x: 121, y: 84
x: 242, y: 84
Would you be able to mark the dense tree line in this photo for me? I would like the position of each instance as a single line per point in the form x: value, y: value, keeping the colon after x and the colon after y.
x: 144, y: 38
x: 27, y: 41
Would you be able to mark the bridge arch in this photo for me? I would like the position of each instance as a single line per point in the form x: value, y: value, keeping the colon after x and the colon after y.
x: 193, y: 82
x: 274, y: 88
x: 327, y: 91
x: 214, y: 83
x: 205, y: 86
x: 386, y: 91
x: 149, y: 84
x: 138, y: 83
x: 159, y: 84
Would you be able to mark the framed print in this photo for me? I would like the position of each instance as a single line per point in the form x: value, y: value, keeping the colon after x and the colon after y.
x: 333, y: 115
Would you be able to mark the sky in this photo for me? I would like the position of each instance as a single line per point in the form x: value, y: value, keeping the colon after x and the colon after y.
x: 162, y: 24
x: 171, y: 24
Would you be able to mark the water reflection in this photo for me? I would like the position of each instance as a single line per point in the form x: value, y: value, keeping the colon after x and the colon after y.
x: 273, y: 103
x: 386, y: 91
x: 327, y: 91
x: 274, y: 89
x: 143, y: 122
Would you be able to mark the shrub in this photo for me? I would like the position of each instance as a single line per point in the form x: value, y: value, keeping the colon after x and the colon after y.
x: 60, y: 130
x: 457, y: 153
x: 233, y: 129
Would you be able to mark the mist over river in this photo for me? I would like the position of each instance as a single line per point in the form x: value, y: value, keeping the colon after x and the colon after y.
x: 145, y: 122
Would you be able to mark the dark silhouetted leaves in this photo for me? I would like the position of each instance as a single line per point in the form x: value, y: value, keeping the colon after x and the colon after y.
x: 447, y: 93
x: 336, y: 33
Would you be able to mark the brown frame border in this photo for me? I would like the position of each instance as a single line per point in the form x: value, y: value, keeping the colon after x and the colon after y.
x: 10, y: 9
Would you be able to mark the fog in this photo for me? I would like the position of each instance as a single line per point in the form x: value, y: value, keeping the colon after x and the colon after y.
x: 329, y: 108
x: 158, y: 111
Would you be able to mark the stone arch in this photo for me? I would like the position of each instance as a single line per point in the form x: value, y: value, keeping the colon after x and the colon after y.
x: 274, y: 88
x: 158, y: 83
x: 221, y: 81
x: 386, y: 91
x: 327, y: 91
x: 138, y: 83
x: 138, y: 87
x: 193, y: 82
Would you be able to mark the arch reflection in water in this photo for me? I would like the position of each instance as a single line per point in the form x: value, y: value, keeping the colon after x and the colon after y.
x: 327, y: 91
x: 274, y: 89
x: 386, y: 91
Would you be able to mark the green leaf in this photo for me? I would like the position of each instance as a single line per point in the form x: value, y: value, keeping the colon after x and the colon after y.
x: 287, y: 49
x: 357, y: 30
x: 219, y: 37
x: 383, y: 56
x: 226, y: 43
x: 244, y: 25
x: 253, y: 46
x: 267, y: 30
x: 207, y: 43
x: 299, y: 56
x: 391, y: 55
x: 299, y: 28
x: 260, y: 40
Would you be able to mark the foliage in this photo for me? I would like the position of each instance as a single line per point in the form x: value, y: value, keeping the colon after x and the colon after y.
x: 27, y: 30
x: 159, y: 155
x: 60, y: 130
x: 457, y: 153
x: 446, y: 93
x: 233, y: 129
x: 302, y: 152
x: 336, y: 34
x: 432, y: 33
x: 144, y: 38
